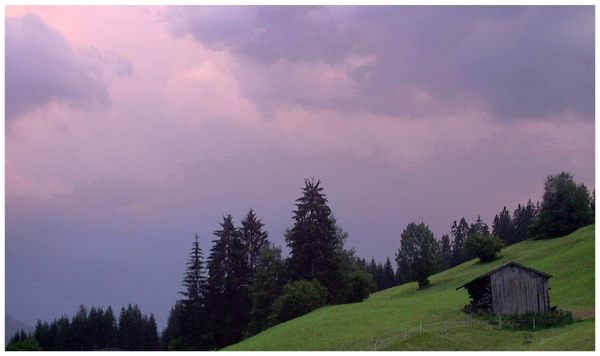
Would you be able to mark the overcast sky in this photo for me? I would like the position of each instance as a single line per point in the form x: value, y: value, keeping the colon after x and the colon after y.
x: 130, y: 129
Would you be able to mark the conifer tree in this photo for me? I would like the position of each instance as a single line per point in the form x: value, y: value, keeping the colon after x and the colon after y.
x: 254, y: 238
x: 445, y: 253
x: 43, y: 336
x: 188, y: 320
x: 313, y: 240
x: 174, y: 336
x: 94, y: 328
x: 459, y: 232
x: 523, y: 216
x: 228, y: 301
x: 151, y: 341
x: 388, y: 274
x: 193, y: 279
x: 109, y: 328
x: 479, y: 227
x: 194, y: 284
x: 64, y: 338
x: 79, y: 330
x: 504, y: 228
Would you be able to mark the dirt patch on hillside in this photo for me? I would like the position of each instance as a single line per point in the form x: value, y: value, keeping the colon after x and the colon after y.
x: 586, y: 314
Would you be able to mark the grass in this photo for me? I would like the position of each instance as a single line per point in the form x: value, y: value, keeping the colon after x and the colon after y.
x: 386, y: 315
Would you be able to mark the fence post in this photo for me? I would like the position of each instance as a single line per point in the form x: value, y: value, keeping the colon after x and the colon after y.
x: 500, y: 321
x: 534, y: 323
x: 420, y: 327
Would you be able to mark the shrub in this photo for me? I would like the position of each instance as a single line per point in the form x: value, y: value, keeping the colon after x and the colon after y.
x: 360, y: 285
x: 484, y: 246
x: 298, y: 298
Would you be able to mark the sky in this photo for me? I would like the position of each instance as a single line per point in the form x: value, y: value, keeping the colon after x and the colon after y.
x: 131, y: 129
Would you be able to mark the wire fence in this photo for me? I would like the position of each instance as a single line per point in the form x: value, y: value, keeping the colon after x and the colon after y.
x: 531, y: 322
x: 441, y: 327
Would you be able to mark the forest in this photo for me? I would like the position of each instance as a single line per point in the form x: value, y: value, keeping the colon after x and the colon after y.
x: 245, y: 285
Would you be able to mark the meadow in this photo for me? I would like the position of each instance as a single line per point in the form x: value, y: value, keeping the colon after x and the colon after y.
x: 385, y: 317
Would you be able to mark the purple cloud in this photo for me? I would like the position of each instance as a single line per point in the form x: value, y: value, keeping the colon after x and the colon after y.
x: 517, y: 62
x: 42, y: 67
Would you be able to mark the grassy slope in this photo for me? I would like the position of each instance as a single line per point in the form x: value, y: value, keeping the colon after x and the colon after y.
x: 387, y: 314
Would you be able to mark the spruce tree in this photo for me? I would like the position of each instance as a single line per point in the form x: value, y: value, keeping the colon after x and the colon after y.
x: 373, y: 269
x: 151, y: 341
x: 445, y: 253
x: 523, y: 216
x: 174, y: 336
x: 43, y: 336
x: 193, y: 278
x: 459, y: 232
x: 64, y: 339
x: 388, y: 274
x: 254, y: 238
x: 188, y: 320
x: 228, y: 301
x: 109, y: 328
x: 313, y: 240
x: 79, y: 330
x: 93, y: 333
x: 504, y: 228
x: 380, y: 277
x: 194, y: 284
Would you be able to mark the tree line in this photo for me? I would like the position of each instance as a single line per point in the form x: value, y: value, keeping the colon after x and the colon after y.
x: 96, y: 329
x: 565, y: 207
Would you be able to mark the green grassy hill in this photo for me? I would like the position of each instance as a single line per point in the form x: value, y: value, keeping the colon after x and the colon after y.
x: 387, y: 315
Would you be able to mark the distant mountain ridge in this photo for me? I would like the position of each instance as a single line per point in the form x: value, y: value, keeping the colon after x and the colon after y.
x: 13, y: 325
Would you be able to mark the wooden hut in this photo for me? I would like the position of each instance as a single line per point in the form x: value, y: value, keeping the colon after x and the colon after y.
x: 511, y: 289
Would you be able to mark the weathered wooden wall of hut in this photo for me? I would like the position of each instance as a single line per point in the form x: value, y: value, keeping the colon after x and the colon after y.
x: 516, y: 291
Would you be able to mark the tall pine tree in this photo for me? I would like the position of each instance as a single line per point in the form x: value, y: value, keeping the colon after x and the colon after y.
x: 523, y: 216
x: 194, y: 282
x: 389, y: 278
x: 445, y: 253
x: 313, y: 241
x: 187, y: 324
x: 254, y: 238
x: 228, y: 300
x: 504, y: 228
x: 459, y: 232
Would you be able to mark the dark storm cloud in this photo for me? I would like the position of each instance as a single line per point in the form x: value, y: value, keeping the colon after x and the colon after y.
x: 517, y: 62
x: 41, y: 68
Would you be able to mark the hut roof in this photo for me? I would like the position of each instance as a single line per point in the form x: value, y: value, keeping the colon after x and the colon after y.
x: 509, y: 264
